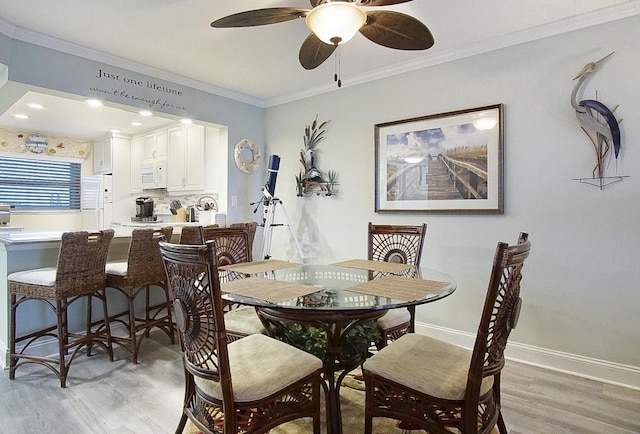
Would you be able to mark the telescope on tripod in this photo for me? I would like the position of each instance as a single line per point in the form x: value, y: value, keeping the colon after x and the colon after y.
x: 269, y: 202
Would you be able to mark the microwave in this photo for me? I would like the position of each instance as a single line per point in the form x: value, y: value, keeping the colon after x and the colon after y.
x: 154, y: 174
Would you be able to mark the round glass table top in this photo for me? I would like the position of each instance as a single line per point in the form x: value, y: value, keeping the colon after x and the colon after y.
x: 332, y: 287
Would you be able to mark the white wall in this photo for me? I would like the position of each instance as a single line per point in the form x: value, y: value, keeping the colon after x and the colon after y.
x: 580, y: 286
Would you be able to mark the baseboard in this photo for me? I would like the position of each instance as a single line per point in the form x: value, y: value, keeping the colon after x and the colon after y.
x: 600, y: 370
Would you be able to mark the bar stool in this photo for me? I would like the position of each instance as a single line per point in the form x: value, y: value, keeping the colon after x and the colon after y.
x: 79, y: 275
x: 142, y: 270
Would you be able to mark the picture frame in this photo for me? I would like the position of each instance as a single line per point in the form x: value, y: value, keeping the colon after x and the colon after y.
x: 447, y: 163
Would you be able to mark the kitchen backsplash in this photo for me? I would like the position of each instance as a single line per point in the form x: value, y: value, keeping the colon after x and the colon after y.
x: 163, y: 201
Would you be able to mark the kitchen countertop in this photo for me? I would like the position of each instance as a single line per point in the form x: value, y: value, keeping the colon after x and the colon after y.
x: 9, y: 228
x: 23, y: 237
x: 122, y: 230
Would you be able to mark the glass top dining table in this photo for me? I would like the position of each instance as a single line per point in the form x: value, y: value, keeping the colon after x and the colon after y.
x: 334, y: 296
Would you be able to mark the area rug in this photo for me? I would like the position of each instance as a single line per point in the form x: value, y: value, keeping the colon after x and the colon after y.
x: 352, y: 404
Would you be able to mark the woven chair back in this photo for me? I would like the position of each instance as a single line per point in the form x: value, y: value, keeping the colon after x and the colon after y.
x: 81, y: 262
x: 192, y: 278
x: 499, y: 315
x: 144, y: 263
x: 252, y: 227
x: 396, y: 243
x: 193, y: 234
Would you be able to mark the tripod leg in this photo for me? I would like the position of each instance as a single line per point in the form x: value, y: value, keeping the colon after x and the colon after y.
x: 293, y: 233
x: 266, y: 232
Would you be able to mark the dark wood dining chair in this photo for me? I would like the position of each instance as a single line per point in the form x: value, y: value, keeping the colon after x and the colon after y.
x: 142, y: 272
x: 193, y: 234
x: 401, y: 244
x: 233, y: 246
x: 78, y: 276
x: 249, y: 385
x: 431, y: 385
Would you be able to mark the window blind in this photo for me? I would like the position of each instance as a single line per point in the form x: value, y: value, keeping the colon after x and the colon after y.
x: 38, y: 184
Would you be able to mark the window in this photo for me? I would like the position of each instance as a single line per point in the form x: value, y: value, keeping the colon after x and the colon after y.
x: 38, y: 184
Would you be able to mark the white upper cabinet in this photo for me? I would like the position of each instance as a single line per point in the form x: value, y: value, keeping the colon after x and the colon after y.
x: 103, y: 156
x: 137, y: 155
x: 155, y: 146
x: 185, y: 155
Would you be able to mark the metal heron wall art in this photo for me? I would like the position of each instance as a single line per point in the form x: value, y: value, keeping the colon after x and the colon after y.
x: 597, y: 118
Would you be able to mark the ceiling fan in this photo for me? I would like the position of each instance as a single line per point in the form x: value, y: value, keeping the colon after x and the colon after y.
x: 334, y: 22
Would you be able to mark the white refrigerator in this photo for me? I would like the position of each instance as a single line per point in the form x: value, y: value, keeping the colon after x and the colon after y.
x: 97, y: 202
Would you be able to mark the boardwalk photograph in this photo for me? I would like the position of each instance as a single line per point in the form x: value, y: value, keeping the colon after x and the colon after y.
x: 452, y: 162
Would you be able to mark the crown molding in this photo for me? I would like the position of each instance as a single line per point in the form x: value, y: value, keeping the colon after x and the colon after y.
x: 577, y: 22
x: 42, y: 40
x: 601, y: 16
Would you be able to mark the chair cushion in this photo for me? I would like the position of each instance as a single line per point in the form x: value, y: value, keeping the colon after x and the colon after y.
x: 393, y: 318
x: 117, y: 268
x: 38, y: 276
x: 261, y: 366
x: 427, y: 365
x: 243, y: 320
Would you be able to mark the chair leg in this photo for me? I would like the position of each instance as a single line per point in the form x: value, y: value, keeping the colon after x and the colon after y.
x: 412, y: 323
x: 368, y: 402
x: 182, y: 423
x: 132, y: 327
x: 502, y: 427
x: 13, y: 358
x: 105, y: 312
x: 147, y: 308
x: 170, y: 325
x: 89, y: 321
x: 63, y: 339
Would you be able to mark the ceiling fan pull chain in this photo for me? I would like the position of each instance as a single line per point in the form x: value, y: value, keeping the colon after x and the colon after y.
x: 336, y: 75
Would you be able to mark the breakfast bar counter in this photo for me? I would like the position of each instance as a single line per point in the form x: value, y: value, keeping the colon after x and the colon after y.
x: 36, y: 249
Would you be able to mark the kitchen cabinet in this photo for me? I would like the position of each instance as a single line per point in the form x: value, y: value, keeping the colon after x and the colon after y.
x: 137, y: 155
x: 185, y: 155
x: 102, y: 155
x: 155, y: 146
x: 116, y: 148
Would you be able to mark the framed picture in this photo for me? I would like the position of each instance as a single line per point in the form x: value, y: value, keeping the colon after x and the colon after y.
x: 444, y: 163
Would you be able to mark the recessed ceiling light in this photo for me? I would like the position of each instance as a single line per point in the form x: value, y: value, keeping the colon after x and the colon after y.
x: 36, y: 106
x: 21, y: 116
x: 145, y: 113
x: 93, y: 102
x: 114, y: 130
x: 186, y: 121
x: 136, y: 124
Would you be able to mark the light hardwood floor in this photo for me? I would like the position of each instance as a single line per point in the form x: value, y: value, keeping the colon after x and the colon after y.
x: 120, y: 397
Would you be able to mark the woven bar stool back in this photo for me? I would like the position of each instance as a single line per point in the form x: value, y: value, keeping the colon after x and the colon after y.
x: 79, y: 274
x: 143, y: 271
x: 401, y: 244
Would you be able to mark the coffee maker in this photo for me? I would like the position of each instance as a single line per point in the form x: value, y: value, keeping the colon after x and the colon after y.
x: 144, y: 210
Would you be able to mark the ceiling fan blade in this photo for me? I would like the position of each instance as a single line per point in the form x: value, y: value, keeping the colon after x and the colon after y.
x: 381, y: 2
x: 313, y: 52
x: 260, y: 17
x: 396, y: 30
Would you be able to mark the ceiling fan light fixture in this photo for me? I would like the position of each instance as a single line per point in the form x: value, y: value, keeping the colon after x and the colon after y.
x: 335, y: 22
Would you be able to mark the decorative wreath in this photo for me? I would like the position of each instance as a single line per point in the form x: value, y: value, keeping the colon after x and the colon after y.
x: 237, y: 155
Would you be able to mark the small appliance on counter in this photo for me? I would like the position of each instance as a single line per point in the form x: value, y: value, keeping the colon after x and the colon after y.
x: 5, y: 214
x: 144, y: 210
